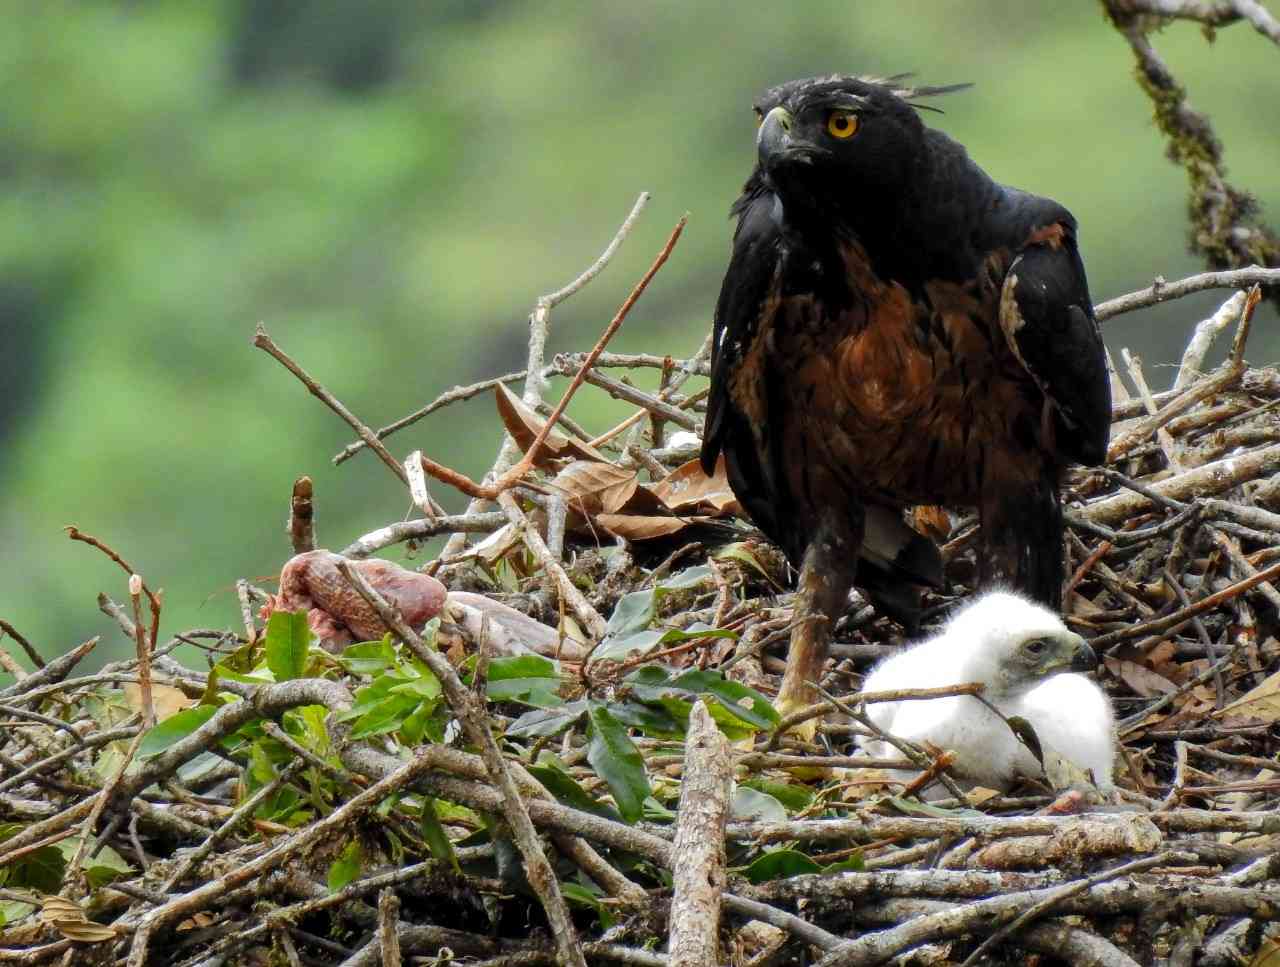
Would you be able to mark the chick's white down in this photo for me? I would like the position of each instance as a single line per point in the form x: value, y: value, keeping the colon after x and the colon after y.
x: 1021, y: 652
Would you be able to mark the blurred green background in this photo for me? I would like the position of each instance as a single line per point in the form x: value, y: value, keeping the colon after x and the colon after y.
x: 388, y: 186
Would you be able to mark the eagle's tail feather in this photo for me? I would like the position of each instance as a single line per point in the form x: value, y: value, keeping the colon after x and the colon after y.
x: 1022, y: 538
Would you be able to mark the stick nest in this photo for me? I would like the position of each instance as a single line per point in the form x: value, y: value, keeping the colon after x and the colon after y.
x: 503, y: 792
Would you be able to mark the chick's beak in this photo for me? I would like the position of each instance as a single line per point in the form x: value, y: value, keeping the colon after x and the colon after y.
x: 1083, y: 658
x: 774, y: 137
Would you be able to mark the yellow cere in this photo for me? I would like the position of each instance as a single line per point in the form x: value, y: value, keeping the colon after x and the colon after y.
x: 842, y: 124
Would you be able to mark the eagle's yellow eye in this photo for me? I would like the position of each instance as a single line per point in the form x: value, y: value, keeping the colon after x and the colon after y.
x: 842, y: 124
x: 759, y: 117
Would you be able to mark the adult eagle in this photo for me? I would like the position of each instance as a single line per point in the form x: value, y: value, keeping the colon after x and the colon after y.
x: 896, y: 328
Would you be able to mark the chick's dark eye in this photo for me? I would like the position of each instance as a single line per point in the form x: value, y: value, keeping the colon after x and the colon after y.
x: 1037, y: 646
x: 842, y: 124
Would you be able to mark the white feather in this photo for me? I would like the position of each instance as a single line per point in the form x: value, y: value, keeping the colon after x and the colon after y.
x: 1073, y: 719
x: 1071, y: 716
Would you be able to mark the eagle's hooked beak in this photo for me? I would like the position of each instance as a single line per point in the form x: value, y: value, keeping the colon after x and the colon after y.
x: 1083, y: 658
x: 774, y: 137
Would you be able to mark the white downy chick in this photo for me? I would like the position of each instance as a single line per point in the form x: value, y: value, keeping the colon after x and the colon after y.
x: 1024, y: 655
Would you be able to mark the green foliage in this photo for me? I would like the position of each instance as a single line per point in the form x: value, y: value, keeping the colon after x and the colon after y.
x: 617, y: 761
x: 433, y: 833
x: 402, y: 695
x: 40, y: 870
x: 175, y: 727
x: 750, y: 804
x: 288, y: 640
x: 12, y: 911
x: 779, y: 864
x: 530, y: 679
x: 628, y: 629
x: 346, y: 867
x: 100, y: 868
x: 589, y: 896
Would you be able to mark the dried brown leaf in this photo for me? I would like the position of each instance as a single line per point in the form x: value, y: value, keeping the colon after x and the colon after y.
x: 1142, y: 680
x: 166, y: 699
x: 981, y: 794
x: 1161, y: 657
x: 593, y: 487
x: 68, y: 918
x: 1268, y: 954
x: 638, y: 527
x: 931, y: 521
x: 84, y: 931
x: 1079, y: 605
x: 524, y: 425
x: 1262, y: 702
x: 688, y: 487
x: 60, y: 908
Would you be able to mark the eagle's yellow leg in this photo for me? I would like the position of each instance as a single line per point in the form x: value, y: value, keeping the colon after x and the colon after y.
x: 825, y: 579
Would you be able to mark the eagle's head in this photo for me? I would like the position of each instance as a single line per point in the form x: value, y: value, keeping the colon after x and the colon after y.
x: 838, y: 142
x: 1013, y: 644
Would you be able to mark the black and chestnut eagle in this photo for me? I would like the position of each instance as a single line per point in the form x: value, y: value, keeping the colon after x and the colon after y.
x: 895, y: 328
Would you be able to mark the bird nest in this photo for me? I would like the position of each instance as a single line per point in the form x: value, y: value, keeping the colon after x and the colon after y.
x: 572, y: 757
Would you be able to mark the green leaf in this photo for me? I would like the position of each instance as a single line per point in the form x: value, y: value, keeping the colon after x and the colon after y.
x: 617, y: 761
x: 177, y: 726
x: 417, y: 724
x: 346, y: 867
x: 649, y: 675
x: 547, y: 721
x: 657, y: 812
x: 619, y: 647
x: 733, y: 726
x: 652, y: 719
x: 433, y: 832
x: 690, y: 577
x: 577, y: 893
x: 41, y: 870
x: 387, y: 716
x: 306, y: 723
x: 523, y: 666
x: 750, y: 805
x: 854, y: 864
x: 673, y: 636
x: 566, y: 790
x: 11, y: 911
x: 261, y: 769
x: 746, y: 703
x: 739, y: 552
x: 914, y: 807
x: 106, y: 865
x: 259, y: 676
x: 287, y: 642
x: 587, y: 897
x: 425, y: 686
x: 283, y: 808
x: 531, y: 679
x: 368, y: 657
x: 370, y: 696
x: 632, y: 613
x: 779, y: 864
x: 793, y: 797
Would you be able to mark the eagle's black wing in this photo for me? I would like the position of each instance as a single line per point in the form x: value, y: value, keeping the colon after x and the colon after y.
x: 740, y: 313
x: 1047, y: 318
